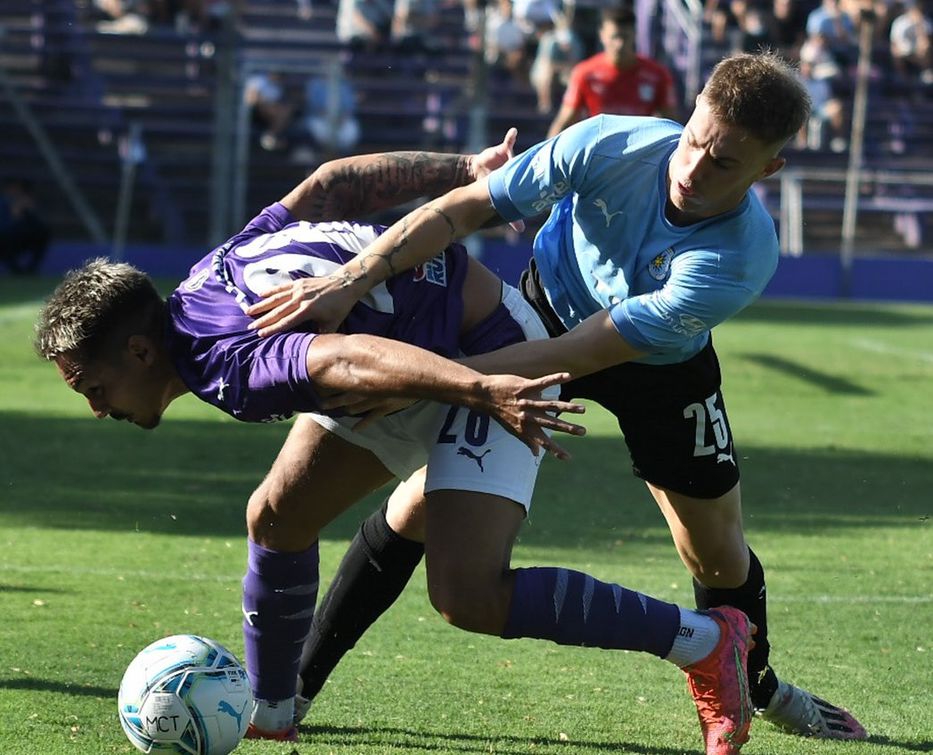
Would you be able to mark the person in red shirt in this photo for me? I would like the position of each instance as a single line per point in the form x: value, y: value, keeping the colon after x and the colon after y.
x: 617, y: 80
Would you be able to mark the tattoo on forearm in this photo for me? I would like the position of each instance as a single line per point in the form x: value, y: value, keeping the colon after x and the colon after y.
x: 398, y: 247
x: 445, y: 217
x: 347, y: 278
x: 404, y: 239
x: 361, y: 185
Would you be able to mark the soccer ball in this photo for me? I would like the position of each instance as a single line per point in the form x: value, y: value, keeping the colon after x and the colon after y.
x: 186, y: 695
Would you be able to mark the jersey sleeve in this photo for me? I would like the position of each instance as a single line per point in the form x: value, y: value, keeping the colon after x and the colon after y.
x: 268, y: 378
x: 273, y: 218
x: 530, y: 183
x: 696, y: 298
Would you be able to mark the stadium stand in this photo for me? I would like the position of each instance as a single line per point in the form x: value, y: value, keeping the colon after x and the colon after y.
x: 85, y: 88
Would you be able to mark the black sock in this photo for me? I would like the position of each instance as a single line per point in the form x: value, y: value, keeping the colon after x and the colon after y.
x: 753, y: 600
x: 373, y: 573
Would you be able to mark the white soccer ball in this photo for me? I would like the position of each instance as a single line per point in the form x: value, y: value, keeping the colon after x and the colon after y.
x: 187, y: 695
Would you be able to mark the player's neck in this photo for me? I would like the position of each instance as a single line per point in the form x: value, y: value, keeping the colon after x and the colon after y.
x: 623, y: 62
x: 174, y: 388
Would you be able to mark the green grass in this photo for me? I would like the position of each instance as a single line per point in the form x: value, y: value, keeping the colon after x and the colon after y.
x: 111, y: 538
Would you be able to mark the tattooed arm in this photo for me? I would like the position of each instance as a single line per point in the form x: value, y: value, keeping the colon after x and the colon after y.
x: 353, y: 187
x: 414, y: 239
x: 418, y: 236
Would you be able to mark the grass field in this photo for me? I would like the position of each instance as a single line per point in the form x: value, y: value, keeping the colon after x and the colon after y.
x: 112, y: 537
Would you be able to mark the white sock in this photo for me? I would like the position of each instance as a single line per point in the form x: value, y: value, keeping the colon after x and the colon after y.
x: 695, y: 639
x: 273, y: 716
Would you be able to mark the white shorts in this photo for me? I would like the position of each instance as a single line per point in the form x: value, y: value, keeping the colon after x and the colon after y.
x: 462, y: 449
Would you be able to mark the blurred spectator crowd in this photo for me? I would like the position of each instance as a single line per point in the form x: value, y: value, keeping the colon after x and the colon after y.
x: 578, y: 56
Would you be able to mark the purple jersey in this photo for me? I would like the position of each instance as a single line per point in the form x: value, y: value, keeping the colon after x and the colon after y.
x: 265, y: 379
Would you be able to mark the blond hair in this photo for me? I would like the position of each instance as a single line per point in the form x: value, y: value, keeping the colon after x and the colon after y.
x: 97, y: 308
x: 760, y: 93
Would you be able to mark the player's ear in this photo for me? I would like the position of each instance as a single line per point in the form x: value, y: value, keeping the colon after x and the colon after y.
x: 142, y: 348
x: 773, y: 166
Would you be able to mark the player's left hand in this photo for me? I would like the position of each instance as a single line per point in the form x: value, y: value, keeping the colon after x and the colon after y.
x: 322, y: 299
x: 489, y: 159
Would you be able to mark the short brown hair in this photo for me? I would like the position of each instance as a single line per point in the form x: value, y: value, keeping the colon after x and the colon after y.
x: 97, y: 308
x: 620, y: 15
x: 760, y: 93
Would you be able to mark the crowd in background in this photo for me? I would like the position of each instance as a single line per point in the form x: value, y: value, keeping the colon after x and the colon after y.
x: 563, y: 50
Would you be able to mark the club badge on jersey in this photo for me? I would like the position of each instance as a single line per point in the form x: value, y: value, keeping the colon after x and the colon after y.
x: 433, y: 271
x: 660, y: 266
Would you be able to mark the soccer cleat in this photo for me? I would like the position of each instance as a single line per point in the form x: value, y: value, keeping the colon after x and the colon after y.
x: 302, y: 703
x: 302, y: 706
x: 796, y: 711
x: 288, y: 735
x: 719, y: 685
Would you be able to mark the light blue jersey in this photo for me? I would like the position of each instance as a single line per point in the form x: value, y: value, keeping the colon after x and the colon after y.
x: 608, y: 245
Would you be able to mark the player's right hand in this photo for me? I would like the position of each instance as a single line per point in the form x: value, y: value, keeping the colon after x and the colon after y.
x: 518, y: 405
x: 325, y: 300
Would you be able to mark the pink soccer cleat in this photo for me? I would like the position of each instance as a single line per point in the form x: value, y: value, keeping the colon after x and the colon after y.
x: 719, y: 685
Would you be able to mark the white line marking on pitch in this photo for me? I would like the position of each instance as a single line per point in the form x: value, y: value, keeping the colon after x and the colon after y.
x: 851, y: 599
x: 879, y: 347
x: 19, y: 312
x: 192, y: 577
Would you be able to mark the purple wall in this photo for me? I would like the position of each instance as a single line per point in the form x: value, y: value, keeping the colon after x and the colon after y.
x: 886, y: 278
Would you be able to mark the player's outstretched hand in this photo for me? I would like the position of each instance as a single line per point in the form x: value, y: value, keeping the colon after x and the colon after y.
x: 324, y: 300
x: 489, y: 159
x: 517, y: 404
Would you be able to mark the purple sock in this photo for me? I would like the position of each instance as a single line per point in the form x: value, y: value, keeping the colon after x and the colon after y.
x: 571, y: 608
x: 279, y: 593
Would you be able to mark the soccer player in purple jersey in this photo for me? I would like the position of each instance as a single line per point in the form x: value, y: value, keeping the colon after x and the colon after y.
x: 131, y: 353
x: 654, y: 237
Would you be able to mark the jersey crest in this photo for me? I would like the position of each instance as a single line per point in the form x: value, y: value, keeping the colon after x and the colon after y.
x: 660, y: 266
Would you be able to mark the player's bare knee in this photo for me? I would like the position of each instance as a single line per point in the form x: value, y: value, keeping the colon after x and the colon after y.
x: 273, y: 520
x: 461, y: 611
x: 723, y: 563
x: 260, y: 517
x: 468, y: 602
x: 406, y: 513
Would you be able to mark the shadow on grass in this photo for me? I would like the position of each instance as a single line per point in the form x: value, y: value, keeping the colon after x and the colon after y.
x: 194, y: 478
x: 59, y: 688
x: 413, y: 740
x: 29, y: 588
x: 832, y: 384
x: 902, y: 746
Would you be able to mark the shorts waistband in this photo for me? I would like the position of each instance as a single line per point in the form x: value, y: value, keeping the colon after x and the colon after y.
x: 533, y: 292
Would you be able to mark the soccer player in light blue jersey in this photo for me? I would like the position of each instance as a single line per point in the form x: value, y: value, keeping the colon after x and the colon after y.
x: 653, y: 238
x: 131, y: 353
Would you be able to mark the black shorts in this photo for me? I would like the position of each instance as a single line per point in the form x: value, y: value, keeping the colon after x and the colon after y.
x: 673, y: 416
